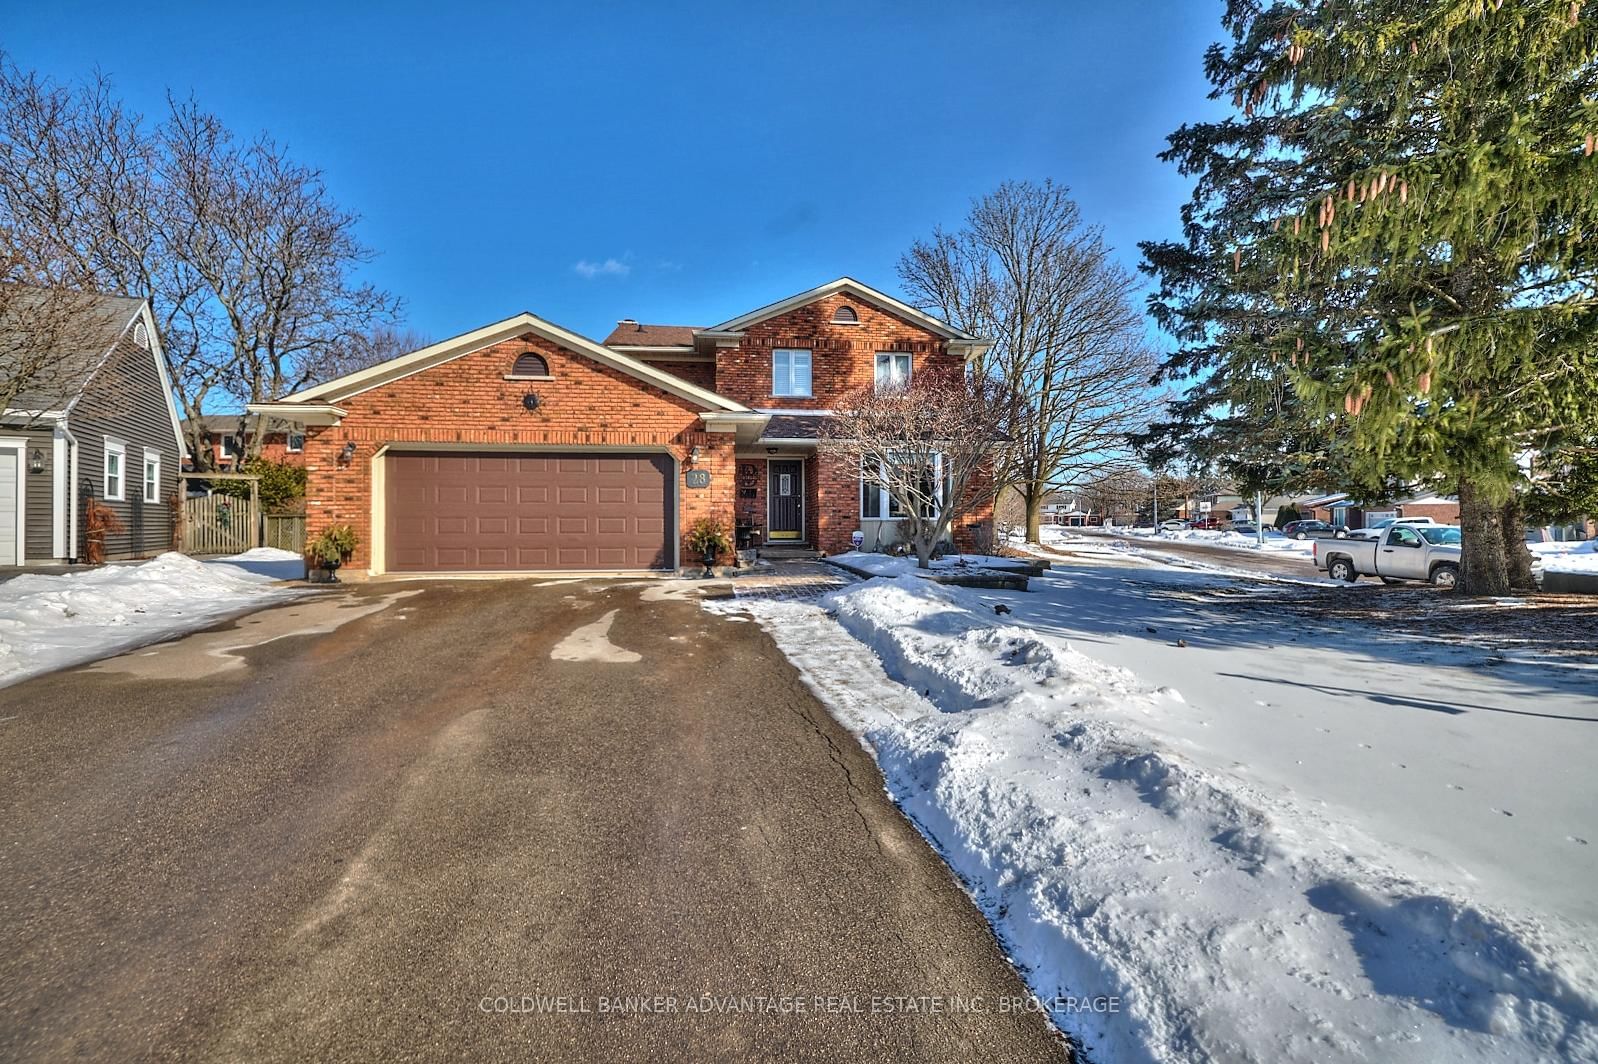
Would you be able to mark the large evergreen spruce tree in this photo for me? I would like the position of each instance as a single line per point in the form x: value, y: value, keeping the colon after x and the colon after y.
x: 1400, y: 226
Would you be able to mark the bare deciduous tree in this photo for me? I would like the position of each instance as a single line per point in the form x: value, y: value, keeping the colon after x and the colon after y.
x: 34, y: 323
x: 248, y: 262
x: 932, y: 445
x: 1025, y: 271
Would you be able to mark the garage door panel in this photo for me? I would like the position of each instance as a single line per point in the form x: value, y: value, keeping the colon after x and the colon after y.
x: 466, y: 512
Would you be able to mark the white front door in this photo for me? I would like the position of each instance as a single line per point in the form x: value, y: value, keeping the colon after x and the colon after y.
x: 10, y: 513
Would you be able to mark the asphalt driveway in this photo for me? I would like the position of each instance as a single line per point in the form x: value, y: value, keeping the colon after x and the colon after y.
x: 489, y: 821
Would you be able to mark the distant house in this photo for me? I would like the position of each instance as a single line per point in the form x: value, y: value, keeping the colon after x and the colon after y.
x: 1341, y: 511
x: 1060, y: 508
x: 228, y: 438
x: 1228, y: 507
x: 104, y: 427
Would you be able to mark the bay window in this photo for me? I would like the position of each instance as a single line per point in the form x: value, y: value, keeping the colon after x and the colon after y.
x: 878, y: 503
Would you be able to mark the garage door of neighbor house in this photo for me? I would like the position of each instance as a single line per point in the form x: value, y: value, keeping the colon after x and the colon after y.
x: 460, y: 512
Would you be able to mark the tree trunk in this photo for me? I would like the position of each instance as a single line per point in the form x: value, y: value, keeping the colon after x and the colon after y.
x: 923, y: 546
x: 1034, y: 514
x: 1482, y: 568
x: 1517, y: 559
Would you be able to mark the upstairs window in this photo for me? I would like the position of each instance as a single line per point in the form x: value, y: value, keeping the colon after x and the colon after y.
x: 530, y: 365
x: 790, y: 372
x: 893, y: 370
x: 845, y: 316
x: 152, y: 475
x: 116, y: 469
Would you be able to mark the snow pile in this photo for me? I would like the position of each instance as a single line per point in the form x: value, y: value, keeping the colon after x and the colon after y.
x: 1580, y: 558
x: 888, y: 565
x: 50, y: 622
x: 1227, y: 920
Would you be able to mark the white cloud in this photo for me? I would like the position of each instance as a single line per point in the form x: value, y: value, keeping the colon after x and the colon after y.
x: 608, y: 268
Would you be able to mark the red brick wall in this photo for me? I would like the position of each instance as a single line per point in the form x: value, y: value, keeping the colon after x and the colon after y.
x: 1446, y: 513
x: 702, y: 374
x: 468, y: 401
x: 842, y: 356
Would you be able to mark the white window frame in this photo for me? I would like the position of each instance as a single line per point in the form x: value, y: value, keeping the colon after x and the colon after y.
x: 288, y: 442
x: 222, y: 448
x: 891, y: 359
x: 886, y: 503
x: 150, y: 482
x: 783, y: 360
x: 118, y: 448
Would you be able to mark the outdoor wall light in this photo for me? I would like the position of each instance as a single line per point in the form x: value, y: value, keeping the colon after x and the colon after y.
x: 347, y: 454
x: 36, y: 462
x: 772, y: 450
x: 695, y: 454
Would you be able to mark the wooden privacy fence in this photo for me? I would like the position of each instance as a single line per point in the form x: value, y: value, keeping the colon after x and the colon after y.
x: 221, y: 524
x: 283, y: 531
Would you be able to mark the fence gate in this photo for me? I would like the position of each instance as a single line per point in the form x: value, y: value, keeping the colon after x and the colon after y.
x: 221, y: 524
x: 284, y: 531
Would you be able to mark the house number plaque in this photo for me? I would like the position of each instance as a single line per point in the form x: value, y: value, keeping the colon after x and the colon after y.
x: 697, y: 478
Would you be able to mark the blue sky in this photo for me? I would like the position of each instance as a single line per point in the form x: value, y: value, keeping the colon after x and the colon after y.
x: 666, y: 162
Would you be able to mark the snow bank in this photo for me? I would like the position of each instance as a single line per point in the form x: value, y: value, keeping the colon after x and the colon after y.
x: 888, y: 565
x: 53, y: 621
x: 1229, y: 922
x: 1274, y: 540
x: 1580, y: 558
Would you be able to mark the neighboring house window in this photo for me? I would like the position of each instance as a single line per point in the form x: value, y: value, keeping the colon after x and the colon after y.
x: 790, y: 372
x: 893, y: 370
x: 530, y: 365
x: 296, y: 442
x: 876, y: 502
x: 230, y: 446
x: 116, y: 469
x: 845, y: 316
x: 152, y: 476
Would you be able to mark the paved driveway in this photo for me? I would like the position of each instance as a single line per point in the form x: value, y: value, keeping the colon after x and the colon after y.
x: 451, y: 819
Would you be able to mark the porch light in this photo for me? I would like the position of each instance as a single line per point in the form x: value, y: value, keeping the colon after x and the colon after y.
x: 772, y: 450
x: 347, y: 454
x: 36, y: 462
x: 695, y: 454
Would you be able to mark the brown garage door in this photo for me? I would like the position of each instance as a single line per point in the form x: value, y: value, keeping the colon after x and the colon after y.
x: 451, y: 512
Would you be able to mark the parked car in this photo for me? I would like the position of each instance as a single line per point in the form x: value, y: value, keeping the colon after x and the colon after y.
x: 1173, y: 525
x: 1403, y: 551
x: 1375, y: 528
x: 1208, y: 524
x: 1307, y: 528
x: 1247, y: 528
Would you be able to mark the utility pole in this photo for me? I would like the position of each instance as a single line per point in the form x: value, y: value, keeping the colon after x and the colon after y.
x: 1156, y: 482
x: 1259, y: 518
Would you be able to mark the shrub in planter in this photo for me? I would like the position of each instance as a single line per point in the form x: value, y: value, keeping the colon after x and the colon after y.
x: 332, y: 547
x: 707, y: 538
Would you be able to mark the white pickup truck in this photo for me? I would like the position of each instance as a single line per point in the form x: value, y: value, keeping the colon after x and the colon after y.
x: 1401, y: 552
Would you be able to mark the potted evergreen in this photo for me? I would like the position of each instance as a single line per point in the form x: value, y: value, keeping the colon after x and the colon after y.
x: 708, y: 537
x: 330, y: 550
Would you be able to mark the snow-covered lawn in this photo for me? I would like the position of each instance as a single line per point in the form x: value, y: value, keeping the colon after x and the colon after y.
x: 1286, y: 840
x: 50, y: 622
x: 1274, y: 540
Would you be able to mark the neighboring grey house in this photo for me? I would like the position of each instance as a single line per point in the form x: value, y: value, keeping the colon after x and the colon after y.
x: 103, y: 426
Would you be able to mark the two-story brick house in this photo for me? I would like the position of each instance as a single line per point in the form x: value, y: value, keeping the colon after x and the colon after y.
x: 229, y: 438
x: 522, y: 446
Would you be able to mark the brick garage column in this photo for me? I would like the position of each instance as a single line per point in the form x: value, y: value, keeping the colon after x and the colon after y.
x: 717, y: 501
x: 339, y: 494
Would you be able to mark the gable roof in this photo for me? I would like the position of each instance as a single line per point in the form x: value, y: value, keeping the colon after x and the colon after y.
x: 83, y: 327
x: 341, y: 388
x: 850, y: 287
x: 637, y: 334
x: 227, y: 424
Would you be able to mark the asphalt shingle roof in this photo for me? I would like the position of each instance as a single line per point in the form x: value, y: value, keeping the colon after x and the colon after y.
x: 85, y: 324
x: 638, y: 334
